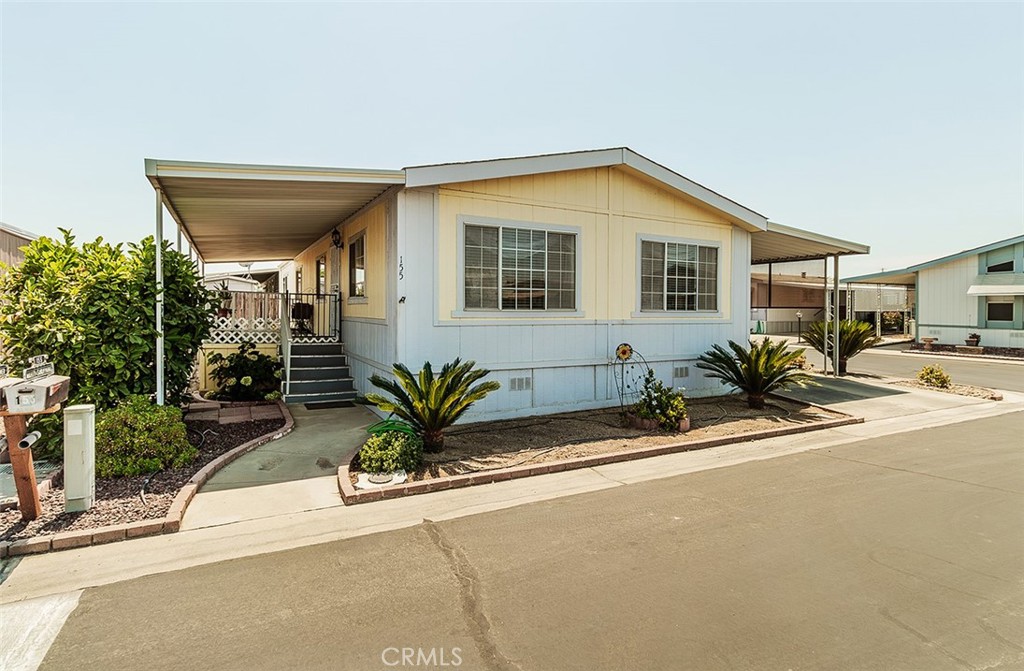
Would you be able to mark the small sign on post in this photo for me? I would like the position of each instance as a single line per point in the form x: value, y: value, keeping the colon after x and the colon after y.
x: 40, y: 393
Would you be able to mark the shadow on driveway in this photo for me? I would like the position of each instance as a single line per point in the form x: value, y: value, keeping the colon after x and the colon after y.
x: 839, y: 390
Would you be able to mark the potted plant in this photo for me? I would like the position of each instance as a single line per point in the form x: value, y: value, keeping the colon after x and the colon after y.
x: 225, y: 300
x: 973, y: 339
x: 659, y: 407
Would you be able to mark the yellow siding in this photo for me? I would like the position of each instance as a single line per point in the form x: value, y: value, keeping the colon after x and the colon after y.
x: 374, y: 223
x: 610, y: 206
x: 205, y: 381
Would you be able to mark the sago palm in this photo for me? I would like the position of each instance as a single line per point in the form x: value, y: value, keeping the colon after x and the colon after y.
x: 854, y: 338
x: 757, y: 371
x: 431, y: 403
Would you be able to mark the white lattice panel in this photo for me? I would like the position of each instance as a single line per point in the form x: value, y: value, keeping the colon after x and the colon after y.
x: 236, y: 330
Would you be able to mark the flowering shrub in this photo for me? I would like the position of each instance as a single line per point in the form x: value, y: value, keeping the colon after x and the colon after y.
x: 660, y: 403
x: 245, y: 375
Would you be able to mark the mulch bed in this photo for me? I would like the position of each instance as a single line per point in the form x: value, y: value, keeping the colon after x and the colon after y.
x: 120, y: 500
x: 938, y: 348
x: 532, y: 440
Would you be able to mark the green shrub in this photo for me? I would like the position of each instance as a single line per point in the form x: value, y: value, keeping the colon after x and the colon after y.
x: 854, y: 338
x: 660, y: 403
x: 140, y: 437
x: 245, y: 375
x: 390, y: 451
x: 757, y: 371
x: 431, y: 404
x: 91, y: 308
x: 934, y: 376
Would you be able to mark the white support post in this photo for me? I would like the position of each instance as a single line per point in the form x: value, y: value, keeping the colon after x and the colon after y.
x: 835, y: 308
x: 825, y: 318
x: 179, y: 237
x: 159, y: 297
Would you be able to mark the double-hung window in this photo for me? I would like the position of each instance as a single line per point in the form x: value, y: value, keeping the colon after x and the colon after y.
x: 357, y: 267
x: 512, y: 268
x: 678, y: 276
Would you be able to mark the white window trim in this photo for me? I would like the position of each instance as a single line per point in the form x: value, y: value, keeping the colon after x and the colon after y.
x: 475, y: 313
x: 640, y: 313
x: 350, y: 299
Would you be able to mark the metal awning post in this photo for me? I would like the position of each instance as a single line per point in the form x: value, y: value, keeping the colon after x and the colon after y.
x: 159, y: 297
x: 825, y: 319
x: 835, y: 319
x: 179, y: 237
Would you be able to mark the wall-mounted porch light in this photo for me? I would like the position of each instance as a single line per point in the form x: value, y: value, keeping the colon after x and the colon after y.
x: 336, y: 239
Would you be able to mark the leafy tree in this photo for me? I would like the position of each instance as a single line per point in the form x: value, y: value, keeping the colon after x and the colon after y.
x: 432, y: 404
x: 92, y: 310
x: 854, y: 338
x: 758, y: 371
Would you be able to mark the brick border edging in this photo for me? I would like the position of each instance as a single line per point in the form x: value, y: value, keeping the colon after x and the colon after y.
x: 351, y: 496
x: 170, y: 523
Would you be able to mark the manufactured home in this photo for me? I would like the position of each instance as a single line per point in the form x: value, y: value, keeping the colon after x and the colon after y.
x: 535, y: 267
x: 12, y: 239
x: 978, y: 290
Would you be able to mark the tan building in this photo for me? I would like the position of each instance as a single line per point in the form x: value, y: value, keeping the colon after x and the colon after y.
x: 11, y: 241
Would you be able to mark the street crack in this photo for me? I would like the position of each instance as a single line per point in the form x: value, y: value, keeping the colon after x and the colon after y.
x: 471, y: 597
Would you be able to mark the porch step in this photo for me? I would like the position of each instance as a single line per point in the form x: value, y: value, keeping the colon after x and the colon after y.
x: 320, y: 386
x: 320, y: 373
x: 320, y: 398
x: 318, y: 360
x: 312, y: 348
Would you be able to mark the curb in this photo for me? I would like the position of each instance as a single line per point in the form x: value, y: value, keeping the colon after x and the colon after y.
x: 170, y: 523
x: 351, y: 496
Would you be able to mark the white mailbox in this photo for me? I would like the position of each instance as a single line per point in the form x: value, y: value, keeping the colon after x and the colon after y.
x: 4, y: 383
x: 79, y: 457
x: 37, y: 395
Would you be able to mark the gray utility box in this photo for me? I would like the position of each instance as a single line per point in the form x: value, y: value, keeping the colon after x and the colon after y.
x: 79, y: 457
x: 37, y: 395
x: 4, y: 383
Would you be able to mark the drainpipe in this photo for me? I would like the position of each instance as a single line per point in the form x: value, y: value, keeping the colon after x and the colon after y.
x: 159, y: 297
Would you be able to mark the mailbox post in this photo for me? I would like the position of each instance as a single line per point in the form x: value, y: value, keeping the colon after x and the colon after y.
x: 39, y: 393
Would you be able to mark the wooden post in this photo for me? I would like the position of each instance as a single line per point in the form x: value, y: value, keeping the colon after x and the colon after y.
x: 21, y: 464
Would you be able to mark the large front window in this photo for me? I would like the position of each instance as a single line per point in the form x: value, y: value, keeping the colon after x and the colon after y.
x: 678, y: 276
x: 519, y: 269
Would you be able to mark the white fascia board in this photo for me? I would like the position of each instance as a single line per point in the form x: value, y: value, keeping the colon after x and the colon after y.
x: 157, y: 168
x: 453, y: 173
x: 753, y: 220
x: 843, y: 246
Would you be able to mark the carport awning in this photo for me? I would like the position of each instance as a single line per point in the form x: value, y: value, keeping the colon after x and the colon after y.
x: 996, y: 290
x: 231, y: 212
x: 780, y: 243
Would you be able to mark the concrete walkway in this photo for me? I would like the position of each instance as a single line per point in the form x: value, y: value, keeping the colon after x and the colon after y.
x: 281, y: 529
x: 291, y: 475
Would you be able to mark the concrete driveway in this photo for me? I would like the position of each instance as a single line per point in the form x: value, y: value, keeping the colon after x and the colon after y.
x: 901, y: 552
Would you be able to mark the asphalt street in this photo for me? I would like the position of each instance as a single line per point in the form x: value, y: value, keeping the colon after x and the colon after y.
x: 903, y: 552
x: 994, y: 374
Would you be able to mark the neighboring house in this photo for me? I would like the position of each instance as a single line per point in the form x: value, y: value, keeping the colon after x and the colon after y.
x: 12, y: 239
x: 786, y: 296
x: 534, y: 267
x: 231, y: 282
x: 979, y: 290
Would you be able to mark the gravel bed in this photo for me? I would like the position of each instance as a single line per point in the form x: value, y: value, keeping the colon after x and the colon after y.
x: 488, y: 445
x: 961, y: 389
x: 119, y: 500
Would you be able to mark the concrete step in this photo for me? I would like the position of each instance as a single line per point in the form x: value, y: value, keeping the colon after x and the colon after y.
x: 321, y: 373
x: 320, y: 398
x: 321, y: 386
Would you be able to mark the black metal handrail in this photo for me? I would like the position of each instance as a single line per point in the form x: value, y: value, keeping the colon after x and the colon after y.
x: 314, y: 316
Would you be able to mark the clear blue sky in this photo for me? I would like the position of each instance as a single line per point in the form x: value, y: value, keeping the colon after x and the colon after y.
x: 900, y: 126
